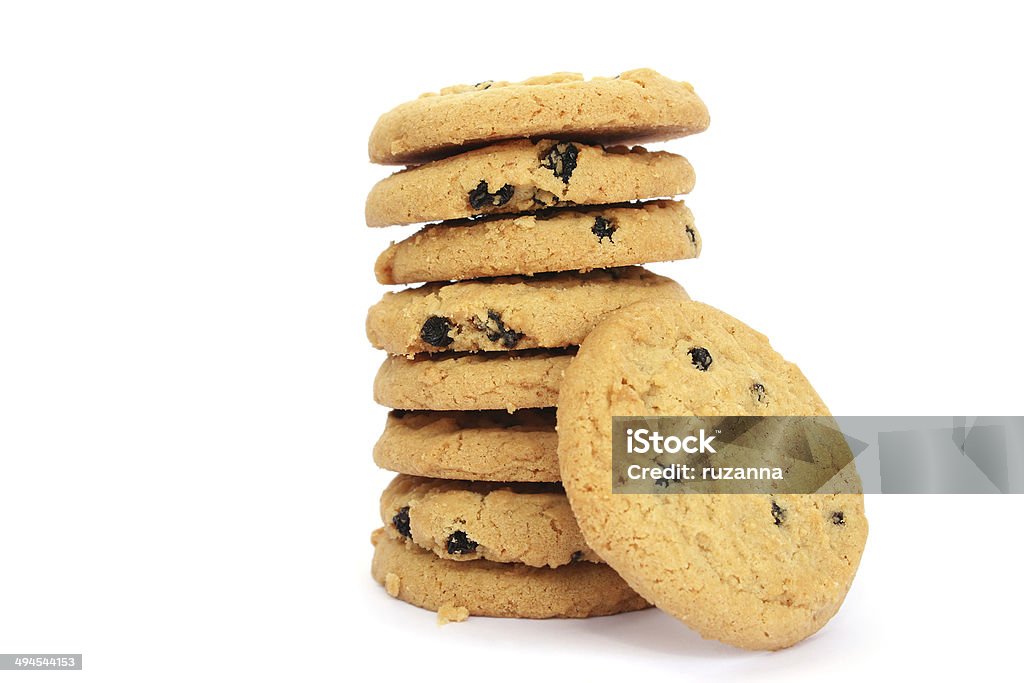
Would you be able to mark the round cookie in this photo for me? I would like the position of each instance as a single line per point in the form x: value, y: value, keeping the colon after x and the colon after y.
x: 477, y: 445
x: 494, y: 589
x: 756, y: 571
x: 549, y: 241
x: 476, y: 381
x: 501, y: 522
x: 521, y: 176
x: 499, y: 314
x: 634, y: 106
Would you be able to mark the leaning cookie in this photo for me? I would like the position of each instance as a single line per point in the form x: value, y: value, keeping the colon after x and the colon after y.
x: 494, y: 589
x: 475, y: 445
x: 476, y: 381
x: 557, y: 240
x: 530, y: 523
x: 520, y: 176
x: 499, y: 314
x: 634, y: 106
x: 753, y: 570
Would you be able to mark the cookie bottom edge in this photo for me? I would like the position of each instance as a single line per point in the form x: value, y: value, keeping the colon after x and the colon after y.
x: 491, y: 589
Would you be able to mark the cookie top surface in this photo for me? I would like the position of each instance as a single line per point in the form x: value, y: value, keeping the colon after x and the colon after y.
x: 553, y: 310
x: 635, y: 106
x: 475, y: 445
x: 756, y: 571
x: 522, y: 175
x: 502, y: 522
x: 549, y: 241
x: 474, y: 381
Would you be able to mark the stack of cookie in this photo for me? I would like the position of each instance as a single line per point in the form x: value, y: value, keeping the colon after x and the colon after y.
x: 539, y: 222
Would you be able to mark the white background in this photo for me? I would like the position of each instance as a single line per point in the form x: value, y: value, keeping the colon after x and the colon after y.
x: 186, y: 487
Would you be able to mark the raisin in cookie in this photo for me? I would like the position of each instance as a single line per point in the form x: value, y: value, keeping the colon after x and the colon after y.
x: 549, y: 241
x: 530, y: 523
x: 519, y: 176
x: 494, y: 589
x: 478, y: 381
x: 516, y: 312
x: 635, y: 106
x: 756, y: 571
x: 479, y: 445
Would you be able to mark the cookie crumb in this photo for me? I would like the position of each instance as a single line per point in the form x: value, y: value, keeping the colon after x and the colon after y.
x: 451, y: 613
x: 392, y: 584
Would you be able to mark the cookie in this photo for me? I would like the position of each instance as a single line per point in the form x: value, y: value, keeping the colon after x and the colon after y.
x: 497, y: 521
x: 476, y: 381
x: 516, y: 312
x: 756, y: 571
x: 479, y: 445
x: 521, y: 176
x: 549, y: 241
x: 494, y: 589
x: 634, y: 106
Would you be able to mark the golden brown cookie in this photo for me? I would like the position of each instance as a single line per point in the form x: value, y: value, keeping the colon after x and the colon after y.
x: 476, y: 381
x: 553, y: 310
x: 757, y: 571
x: 562, y: 239
x: 520, y: 176
x: 502, y: 522
x: 634, y: 106
x: 494, y: 589
x: 479, y: 445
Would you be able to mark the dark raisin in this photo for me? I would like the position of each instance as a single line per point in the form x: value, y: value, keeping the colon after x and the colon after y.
x: 435, y: 331
x: 603, y: 228
x: 401, y: 522
x: 495, y: 329
x: 483, y: 85
x: 691, y: 235
x: 778, y: 513
x: 757, y: 389
x: 504, y: 194
x: 399, y: 414
x: 545, y: 199
x: 459, y: 544
x: 576, y: 556
x: 700, y: 358
x: 839, y: 518
x: 561, y: 160
x: 482, y: 196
